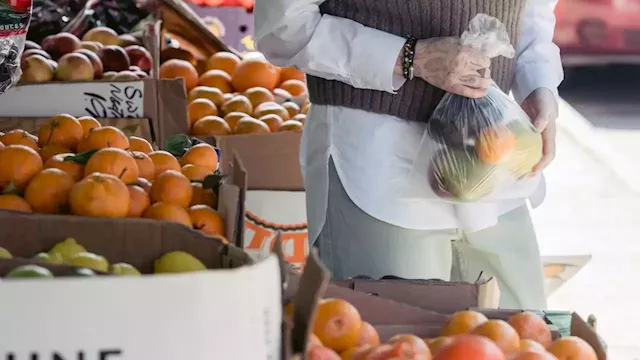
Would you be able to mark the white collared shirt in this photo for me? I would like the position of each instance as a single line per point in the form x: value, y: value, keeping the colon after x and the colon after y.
x: 375, y: 155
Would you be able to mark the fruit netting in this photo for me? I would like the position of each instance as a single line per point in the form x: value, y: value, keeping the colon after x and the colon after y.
x: 483, y: 149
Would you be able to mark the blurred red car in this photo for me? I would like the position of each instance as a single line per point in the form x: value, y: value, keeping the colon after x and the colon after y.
x: 591, y: 32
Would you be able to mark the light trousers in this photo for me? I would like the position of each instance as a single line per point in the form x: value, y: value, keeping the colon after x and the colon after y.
x: 354, y: 243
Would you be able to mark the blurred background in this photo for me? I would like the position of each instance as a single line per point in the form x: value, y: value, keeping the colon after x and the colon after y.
x: 593, y: 203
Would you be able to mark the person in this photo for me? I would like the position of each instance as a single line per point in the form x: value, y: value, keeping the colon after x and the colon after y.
x: 369, y: 211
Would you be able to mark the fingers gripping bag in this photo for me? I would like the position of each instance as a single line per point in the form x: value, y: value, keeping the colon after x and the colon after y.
x: 14, y: 23
x: 484, y: 148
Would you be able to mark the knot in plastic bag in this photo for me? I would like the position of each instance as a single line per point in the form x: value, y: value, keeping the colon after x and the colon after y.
x: 489, y: 36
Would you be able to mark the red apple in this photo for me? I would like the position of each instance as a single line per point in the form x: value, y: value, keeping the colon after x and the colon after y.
x: 59, y: 44
x: 139, y: 57
x: 114, y: 58
x: 95, y: 62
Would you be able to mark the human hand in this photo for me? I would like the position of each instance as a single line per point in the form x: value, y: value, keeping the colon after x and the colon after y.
x: 444, y: 63
x: 542, y: 107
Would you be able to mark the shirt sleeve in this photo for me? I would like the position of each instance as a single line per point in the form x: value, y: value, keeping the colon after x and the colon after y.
x: 295, y: 33
x: 538, y: 63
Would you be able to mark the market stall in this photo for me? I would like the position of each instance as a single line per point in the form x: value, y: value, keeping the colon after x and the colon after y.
x: 151, y: 197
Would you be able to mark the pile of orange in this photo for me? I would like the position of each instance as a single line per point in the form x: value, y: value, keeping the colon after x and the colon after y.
x: 234, y: 96
x: 76, y: 166
x: 339, y: 333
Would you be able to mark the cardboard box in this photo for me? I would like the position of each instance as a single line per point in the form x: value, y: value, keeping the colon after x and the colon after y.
x: 162, y: 101
x: 204, y: 315
x: 227, y: 313
x: 391, y: 316
x: 275, y: 198
x: 434, y: 295
x: 130, y: 126
x: 136, y: 241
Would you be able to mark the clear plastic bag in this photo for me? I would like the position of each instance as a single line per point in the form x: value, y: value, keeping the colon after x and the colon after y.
x: 14, y: 22
x: 483, y: 146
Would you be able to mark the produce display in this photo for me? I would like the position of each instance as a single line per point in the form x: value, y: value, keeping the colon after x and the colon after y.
x: 240, y: 96
x: 56, y: 16
x: 339, y: 333
x: 100, y: 54
x: 70, y: 252
x: 484, y: 145
x: 78, y: 167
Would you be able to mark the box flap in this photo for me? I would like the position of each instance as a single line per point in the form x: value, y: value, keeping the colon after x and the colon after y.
x: 380, y: 311
x: 172, y: 108
x: 271, y: 160
x: 151, y: 37
x: 233, y: 194
x: 434, y: 295
x: 584, y: 331
x: 312, y: 285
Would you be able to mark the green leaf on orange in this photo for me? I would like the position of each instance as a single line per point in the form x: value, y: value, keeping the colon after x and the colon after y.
x: 82, y: 158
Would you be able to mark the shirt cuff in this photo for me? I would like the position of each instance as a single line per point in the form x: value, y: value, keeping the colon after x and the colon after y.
x: 532, y: 76
x: 374, y: 54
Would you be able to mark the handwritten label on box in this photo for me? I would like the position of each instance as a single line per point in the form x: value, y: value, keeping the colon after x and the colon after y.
x: 101, y: 99
x: 119, y: 100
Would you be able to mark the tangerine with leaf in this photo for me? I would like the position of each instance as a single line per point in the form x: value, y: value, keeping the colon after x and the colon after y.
x: 63, y: 162
x: 113, y: 161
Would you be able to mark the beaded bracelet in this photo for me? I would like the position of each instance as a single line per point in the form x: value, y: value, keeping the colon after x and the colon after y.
x: 408, y: 53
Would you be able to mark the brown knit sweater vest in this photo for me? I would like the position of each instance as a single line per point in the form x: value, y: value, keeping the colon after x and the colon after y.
x: 423, y: 19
